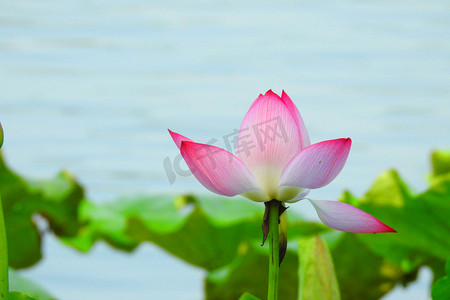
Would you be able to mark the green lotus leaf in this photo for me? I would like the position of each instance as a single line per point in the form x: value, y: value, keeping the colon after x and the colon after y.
x: 18, y: 283
x: 205, y: 232
x: 441, y: 289
x: 421, y: 221
x: 19, y: 296
x: 55, y: 200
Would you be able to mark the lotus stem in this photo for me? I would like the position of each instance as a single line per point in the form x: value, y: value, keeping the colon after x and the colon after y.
x: 4, y: 285
x: 274, y: 259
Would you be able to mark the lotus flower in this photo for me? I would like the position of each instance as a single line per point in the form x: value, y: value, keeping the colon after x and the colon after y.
x: 275, y: 161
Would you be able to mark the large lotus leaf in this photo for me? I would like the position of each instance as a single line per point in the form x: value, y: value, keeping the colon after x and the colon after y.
x: 362, y: 274
x: 55, y: 200
x: 441, y: 289
x: 24, y: 240
x: 316, y: 271
x: 197, y: 239
x: 202, y: 231
x: 21, y: 284
x: 61, y: 198
x: 223, y: 210
x: 209, y: 235
x: 19, y: 296
x: 248, y: 272
x: 422, y: 221
x: 176, y: 223
x: 105, y: 222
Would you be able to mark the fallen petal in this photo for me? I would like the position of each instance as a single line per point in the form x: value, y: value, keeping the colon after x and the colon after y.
x: 345, y: 217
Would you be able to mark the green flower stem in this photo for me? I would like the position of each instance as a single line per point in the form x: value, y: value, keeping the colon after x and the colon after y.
x: 4, y: 284
x: 274, y: 259
x: 4, y: 287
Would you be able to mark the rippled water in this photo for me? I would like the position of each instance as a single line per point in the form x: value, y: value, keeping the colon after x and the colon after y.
x: 92, y: 86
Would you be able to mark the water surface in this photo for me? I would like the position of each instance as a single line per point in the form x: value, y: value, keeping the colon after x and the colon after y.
x: 92, y: 86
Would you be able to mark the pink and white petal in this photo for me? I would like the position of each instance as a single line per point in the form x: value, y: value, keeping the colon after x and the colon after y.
x: 345, y: 217
x: 178, y: 138
x: 316, y: 165
x: 218, y: 170
x: 267, y: 140
x: 298, y: 119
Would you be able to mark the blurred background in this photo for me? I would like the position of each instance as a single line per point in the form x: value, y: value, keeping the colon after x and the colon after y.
x: 92, y: 86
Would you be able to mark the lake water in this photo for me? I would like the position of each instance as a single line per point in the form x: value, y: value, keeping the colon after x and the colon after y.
x: 92, y: 86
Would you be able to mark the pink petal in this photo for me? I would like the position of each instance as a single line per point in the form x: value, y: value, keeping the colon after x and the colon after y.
x: 178, y: 138
x: 316, y: 165
x: 218, y: 170
x: 268, y: 139
x: 298, y: 119
x: 345, y: 217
